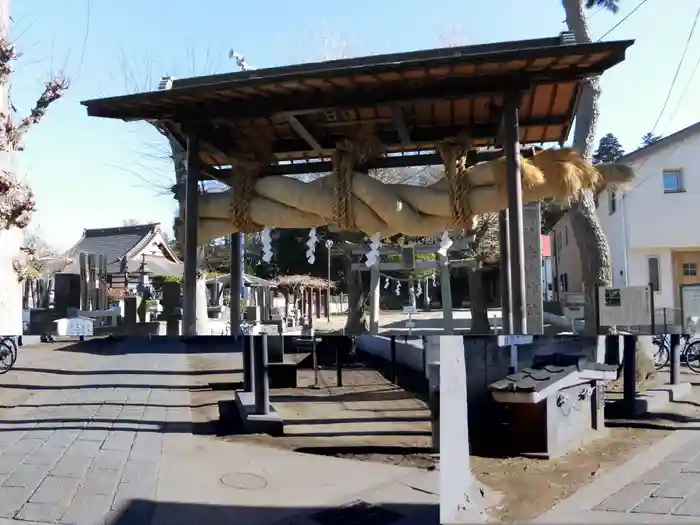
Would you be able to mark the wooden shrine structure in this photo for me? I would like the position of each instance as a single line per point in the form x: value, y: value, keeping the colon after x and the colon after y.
x: 294, y: 119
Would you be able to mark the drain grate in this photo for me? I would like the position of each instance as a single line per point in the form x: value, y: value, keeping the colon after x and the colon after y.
x: 356, y: 512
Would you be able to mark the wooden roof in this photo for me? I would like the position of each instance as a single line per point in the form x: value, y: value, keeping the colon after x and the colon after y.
x: 410, y: 101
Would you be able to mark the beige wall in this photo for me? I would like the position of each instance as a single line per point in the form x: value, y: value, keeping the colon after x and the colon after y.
x: 566, y: 258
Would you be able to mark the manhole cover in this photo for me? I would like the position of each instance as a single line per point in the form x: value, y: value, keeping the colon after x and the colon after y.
x: 244, y: 481
x: 355, y: 513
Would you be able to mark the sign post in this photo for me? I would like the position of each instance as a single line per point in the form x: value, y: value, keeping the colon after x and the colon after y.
x: 410, y: 310
x: 513, y: 341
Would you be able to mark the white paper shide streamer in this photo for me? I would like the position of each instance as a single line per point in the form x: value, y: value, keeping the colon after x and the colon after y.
x: 373, y: 254
x: 445, y: 244
x: 266, y: 239
x: 311, y: 244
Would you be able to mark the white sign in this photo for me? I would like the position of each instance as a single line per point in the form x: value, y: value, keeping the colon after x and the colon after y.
x: 629, y: 306
x: 410, y: 309
x: 410, y: 324
x: 514, y: 340
x: 75, y: 327
x: 269, y: 329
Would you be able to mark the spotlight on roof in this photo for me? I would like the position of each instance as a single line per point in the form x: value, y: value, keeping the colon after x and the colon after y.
x: 165, y: 83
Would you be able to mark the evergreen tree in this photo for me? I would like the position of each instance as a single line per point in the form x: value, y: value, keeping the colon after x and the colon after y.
x: 649, y: 138
x: 609, y: 150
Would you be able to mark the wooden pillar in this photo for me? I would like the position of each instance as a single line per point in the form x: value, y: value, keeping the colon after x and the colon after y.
x: 189, y: 306
x: 82, y: 259
x: 317, y: 304
x: 236, y: 282
x: 374, y: 294
x: 515, y: 210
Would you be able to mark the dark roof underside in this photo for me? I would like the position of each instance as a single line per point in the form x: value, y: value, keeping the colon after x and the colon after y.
x: 410, y: 101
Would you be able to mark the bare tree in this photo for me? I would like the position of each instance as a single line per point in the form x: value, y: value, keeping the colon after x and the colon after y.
x: 16, y: 199
x: 484, y: 249
x: 590, y: 237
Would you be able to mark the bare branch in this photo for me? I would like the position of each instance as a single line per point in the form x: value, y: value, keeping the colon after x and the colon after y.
x: 53, y: 90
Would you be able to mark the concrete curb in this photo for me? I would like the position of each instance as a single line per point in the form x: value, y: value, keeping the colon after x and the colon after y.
x: 654, y: 399
x: 612, y: 481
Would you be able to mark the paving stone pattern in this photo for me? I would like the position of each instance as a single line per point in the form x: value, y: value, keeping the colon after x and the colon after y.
x: 75, y: 454
x: 670, y: 488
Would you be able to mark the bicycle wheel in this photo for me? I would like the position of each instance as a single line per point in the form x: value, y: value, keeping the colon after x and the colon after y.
x: 662, y: 354
x: 8, y: 354
x: 692, y: 356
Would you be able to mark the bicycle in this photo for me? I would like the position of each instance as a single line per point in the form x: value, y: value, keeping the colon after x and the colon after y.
x: 690, y: 352
x: 8, y: 354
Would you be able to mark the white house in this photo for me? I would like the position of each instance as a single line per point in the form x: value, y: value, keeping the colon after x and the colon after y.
x: 653, y: 226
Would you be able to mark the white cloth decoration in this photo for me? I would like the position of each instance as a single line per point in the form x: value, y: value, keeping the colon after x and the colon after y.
x: 266, y: 245
x: 419, y: 290
x: 387, y: 282
x: 434, y: 279
x: 311, y: 243
x: 445, y: 244
x: 398, y: 288
x: 373, y: 254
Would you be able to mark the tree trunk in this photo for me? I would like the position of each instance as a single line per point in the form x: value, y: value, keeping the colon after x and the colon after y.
x: 590, y: 238
x: 357, y: 322
x: 477, y: 303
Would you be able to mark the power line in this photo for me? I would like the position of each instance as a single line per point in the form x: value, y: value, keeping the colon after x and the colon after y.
x: 683, y: 94
x: 678, y: 69
x: 622, y: 20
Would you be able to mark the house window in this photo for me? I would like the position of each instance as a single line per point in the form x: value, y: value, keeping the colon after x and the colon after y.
x: 690, y: 269
x: 654, y: 280
x: 673, y: 182
x: 564, y: 282
x: 612, y: 201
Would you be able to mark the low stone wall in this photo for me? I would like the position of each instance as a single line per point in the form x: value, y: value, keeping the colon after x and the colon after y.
x: 410, y: 353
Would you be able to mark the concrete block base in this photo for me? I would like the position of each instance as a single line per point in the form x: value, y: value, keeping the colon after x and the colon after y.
x: 655, y: 399
x: 271, y: 423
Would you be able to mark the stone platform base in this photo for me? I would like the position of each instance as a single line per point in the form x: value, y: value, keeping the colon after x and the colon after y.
x: 271, y: 423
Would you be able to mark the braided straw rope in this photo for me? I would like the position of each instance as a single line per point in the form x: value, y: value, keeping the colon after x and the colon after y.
x: 348, y: 153
x: 242, y: 191
x: 453, y: 153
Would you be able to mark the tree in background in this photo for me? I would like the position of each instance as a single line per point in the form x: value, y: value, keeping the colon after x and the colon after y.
x: 590, y: 237
x: 17, y: 202
x: 485, y: 249
x: 609, y: 149
x: 649, y: 138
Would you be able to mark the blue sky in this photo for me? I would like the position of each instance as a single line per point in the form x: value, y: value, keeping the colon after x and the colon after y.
x: 89, y: 172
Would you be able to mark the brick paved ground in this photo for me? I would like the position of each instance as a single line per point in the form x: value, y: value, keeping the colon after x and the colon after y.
x: 81, y: 444
x: 660, y: 485
x: 670, y: 488
x: 103, y: 436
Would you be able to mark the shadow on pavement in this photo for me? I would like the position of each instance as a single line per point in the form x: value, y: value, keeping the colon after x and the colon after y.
x: 193, y: 388
x: 122, y: 345
x: 150, y: 372
x: 364, y: 449
x: 331, y: 421
x: 377, y: 395
x: 142, y: 512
